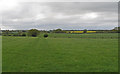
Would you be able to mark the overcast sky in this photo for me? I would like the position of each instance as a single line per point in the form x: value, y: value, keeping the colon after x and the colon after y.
x: 64, y: 15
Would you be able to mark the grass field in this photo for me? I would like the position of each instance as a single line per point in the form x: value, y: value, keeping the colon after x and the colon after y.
x: 89, y: 35
x: 61, y: 54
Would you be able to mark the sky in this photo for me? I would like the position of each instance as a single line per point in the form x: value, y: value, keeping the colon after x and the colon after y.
x: 54, y: 15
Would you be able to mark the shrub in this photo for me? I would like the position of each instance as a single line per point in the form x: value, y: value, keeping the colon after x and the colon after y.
x: 9, y: 35
x: 33, y: 32
x: 4, y: 35
x: 45, y: 35
x: 15, y: 35
x: 23, y: 34
x: 85, y: 31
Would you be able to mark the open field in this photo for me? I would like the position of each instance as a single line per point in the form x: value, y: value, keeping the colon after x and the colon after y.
x: 58, y: 53
x: 89, y: 35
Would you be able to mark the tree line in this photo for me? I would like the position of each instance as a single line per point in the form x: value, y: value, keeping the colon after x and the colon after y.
x: 35, y: 32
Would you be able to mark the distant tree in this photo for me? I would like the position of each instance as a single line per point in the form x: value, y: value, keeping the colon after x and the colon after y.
x: 117, y: 29
x: 33, y: 32
x: 45, y: 35
x: 20, y: 33
x: 9, y: 35
x: 15, y: 34
x: 58, y: 31
x: 7, y: 32
x: 23, y: 34
x: 85, y: 31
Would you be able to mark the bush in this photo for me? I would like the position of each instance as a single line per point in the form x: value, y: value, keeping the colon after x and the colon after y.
x: 85, y: 31
x: 45, y: 35
x: 15, y: 35
x: 9, y: 35
x: 33, y: 32
x: 4, y: 35
x: 23, y: 34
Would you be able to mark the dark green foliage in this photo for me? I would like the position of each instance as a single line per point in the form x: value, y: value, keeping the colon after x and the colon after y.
x: 45, y: 35
x: 9, y: 35
x: 19, y: 33
x: 15, y: 34
x: 85, y: 31
x: 6, y: 32
x: 5, y: 35
x: 33, y: 32
x: 58, y: 31
x: 23, y: 34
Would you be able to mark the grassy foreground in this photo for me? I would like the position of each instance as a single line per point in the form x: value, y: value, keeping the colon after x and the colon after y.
x: 28, y: 54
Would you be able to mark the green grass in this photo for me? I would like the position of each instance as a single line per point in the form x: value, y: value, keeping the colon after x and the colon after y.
x: 89, y: 35
x: 29, y: 54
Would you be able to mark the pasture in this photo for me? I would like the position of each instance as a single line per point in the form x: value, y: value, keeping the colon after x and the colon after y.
x: 61, y: 53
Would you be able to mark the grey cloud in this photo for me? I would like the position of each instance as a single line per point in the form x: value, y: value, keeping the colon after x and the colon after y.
x: 24, y: 16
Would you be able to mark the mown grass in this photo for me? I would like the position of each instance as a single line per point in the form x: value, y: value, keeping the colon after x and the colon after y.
x: 82, y: 35
x: 29, y: 54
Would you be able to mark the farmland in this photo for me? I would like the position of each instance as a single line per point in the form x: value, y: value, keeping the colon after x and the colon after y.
x: 61, y: 53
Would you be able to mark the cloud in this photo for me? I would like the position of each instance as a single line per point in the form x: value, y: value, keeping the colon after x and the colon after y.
x: 64, y: 15
x: 90, y: 16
